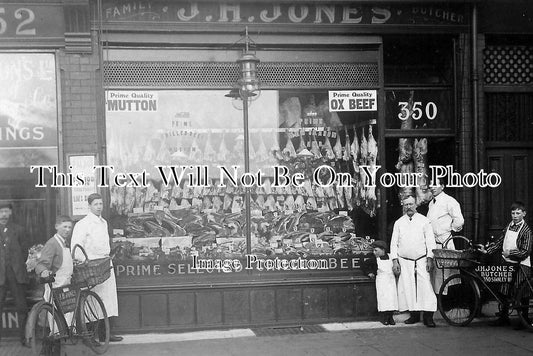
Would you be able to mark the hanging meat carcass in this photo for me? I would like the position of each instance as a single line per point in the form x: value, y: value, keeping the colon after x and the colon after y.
x: 346, y: 154
x: 423, y: 193
x: 327, y: 150
x: 210, y: 155
x: 371, y: 160
x: 262, y: 152
x: 315, y: 149
x: 363, y: 161
x: 195, y: 154
x: 337, y: 148
x: 223, y: 154
x: 289, y: 152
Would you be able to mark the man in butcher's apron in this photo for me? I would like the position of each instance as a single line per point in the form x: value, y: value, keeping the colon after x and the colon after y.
x: 411, y: 251
x: 91, y: 234
x: 446, y: 217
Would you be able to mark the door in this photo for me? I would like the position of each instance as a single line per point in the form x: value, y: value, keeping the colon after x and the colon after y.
x: 515, y: 167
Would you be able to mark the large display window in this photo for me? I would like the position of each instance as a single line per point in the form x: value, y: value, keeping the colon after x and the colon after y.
x: 190, y: 216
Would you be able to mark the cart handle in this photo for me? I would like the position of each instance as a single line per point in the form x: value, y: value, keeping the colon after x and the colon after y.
x: 445, y: 243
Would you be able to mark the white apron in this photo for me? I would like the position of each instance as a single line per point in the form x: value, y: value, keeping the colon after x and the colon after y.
x: 62, y: 278
x: 94, y: 238
x: 386, y: 290
x: 509, y: 243
x: 415, y: 291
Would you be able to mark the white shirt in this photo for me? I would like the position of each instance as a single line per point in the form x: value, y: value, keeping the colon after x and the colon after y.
x: 412, y: 238
x: 445, y: 216
x: 91, y: 234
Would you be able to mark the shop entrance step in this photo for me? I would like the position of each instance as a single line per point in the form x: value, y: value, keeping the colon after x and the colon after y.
x: 288, y: 330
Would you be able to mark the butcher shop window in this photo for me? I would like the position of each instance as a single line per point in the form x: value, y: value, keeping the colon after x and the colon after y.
x: 192, y: 134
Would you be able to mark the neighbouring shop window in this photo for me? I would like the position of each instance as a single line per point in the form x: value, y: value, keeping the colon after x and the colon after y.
x: 177, y: 129
x: 28, y: 136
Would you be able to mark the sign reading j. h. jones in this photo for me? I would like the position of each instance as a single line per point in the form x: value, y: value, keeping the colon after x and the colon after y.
x: 496, y: 274
x: 285, y: 13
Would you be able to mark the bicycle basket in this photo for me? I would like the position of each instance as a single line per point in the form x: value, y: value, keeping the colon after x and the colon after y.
x: 91, y: 272
x: 65, y: 298
x: 447, y: 258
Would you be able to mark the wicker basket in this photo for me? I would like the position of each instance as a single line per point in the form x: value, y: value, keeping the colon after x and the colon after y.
x: 445, y: 258
x: 91, y: 272
x: 65, y: 298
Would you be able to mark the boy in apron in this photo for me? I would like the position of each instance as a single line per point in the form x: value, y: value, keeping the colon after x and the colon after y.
x: 380, y: 268
x: 515, y: 247
x: 56, y: 259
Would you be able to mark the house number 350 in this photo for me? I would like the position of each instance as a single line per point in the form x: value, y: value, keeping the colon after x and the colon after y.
x: 26, y: 17
x: 416, y: 111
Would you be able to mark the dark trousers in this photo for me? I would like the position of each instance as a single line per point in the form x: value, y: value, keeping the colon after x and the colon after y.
x: 18, y: 291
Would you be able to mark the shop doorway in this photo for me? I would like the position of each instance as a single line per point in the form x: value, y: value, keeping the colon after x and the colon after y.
x: 515, y: 166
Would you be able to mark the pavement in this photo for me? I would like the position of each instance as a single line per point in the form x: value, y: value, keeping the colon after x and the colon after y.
x: 357, y: 338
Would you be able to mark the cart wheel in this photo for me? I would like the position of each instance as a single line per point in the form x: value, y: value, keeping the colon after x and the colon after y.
x: 458, y: 300
x: 524, y: 304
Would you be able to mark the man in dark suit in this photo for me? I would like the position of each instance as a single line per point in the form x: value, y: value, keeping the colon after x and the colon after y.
x: 13, y: 255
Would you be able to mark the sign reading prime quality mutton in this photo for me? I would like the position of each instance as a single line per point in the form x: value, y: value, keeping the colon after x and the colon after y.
x: 286, y: 13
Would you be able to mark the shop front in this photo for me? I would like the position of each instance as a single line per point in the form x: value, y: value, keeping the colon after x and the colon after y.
x: 344, y: 88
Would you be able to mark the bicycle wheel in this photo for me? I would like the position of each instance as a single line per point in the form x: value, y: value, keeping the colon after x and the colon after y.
x: 44, y: 329
x: 458, y: 300
x: 92, y: 322
x: 524, y: 304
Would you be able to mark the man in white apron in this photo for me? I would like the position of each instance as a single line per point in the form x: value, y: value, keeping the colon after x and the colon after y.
x: 56, y: 259
x: 446, y: 217
x: 91, y: 233
x: 515, y: 246
x: 411, y: 249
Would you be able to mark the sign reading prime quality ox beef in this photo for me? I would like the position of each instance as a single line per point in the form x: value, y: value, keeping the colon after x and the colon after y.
x: 285, y: 13
x: 496, y: 274
x: 353, y: 100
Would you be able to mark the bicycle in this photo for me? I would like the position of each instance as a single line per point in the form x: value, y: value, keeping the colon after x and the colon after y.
x: 459, y: 298
x: 47, y: 324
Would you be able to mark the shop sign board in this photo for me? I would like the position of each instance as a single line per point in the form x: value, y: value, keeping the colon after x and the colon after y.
x: 28, y: 109
x: 84, y: 166
x: 353, y: 100
x: 31, y: 21
x: 131, y: 269
x: 320, y: 13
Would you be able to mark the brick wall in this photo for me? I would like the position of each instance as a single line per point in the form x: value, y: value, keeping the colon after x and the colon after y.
x: 80, y: 90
